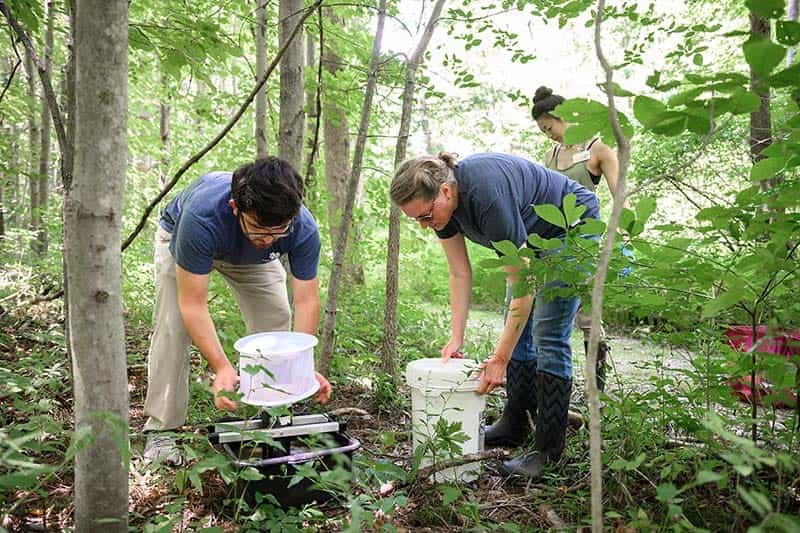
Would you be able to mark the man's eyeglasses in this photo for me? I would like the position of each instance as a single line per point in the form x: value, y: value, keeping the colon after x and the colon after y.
x: 278, y: 232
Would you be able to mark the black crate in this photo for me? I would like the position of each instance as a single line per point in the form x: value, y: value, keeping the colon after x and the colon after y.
x: 279, y: 467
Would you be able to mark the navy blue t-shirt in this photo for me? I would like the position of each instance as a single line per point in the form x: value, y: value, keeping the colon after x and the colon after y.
x: 204, y: 229
x: 496, y: 195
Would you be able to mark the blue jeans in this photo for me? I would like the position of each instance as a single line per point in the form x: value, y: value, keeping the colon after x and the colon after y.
x: 545, y: 338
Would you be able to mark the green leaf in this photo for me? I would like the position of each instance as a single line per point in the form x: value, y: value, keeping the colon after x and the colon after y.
x: 449, y: 494
x: 551, y: 214
x: 708, y: 476
x: 666, y: 491
x: 743, y: 101
x: 644, y: 208
x: 670, y: 123
x: 587, y: 118
x: 572, y: 212
x: 788, y: 77
x: 763, y: 55
x: 506, y: 248
x: 767, y: 168
x: 768, y: 9
x: 723, y: 301
x: 251, y: 474
x: 646, y: 109
x: 788, y: 32
x: 593, y: 226
x: 756, y: 500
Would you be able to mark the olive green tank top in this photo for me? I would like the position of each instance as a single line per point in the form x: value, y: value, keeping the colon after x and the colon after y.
x: 576, y: 171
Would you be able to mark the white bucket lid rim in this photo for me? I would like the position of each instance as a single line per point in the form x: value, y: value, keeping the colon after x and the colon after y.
x: 456, y: 375
x: 245, y: 345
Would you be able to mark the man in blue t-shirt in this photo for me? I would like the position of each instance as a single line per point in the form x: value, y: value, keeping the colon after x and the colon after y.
x: 239, y: 225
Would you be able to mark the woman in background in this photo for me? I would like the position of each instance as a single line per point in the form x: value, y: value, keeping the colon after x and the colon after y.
x: 587, y: 163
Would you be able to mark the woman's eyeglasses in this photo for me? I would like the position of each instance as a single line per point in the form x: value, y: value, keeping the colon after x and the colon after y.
x: 429, y: 215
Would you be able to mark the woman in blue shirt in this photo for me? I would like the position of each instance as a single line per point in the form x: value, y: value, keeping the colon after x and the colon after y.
x: 489, y: 198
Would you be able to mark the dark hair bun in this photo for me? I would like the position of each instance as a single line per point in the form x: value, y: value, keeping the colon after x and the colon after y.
x: 542, y: 93
x: 544, y: 101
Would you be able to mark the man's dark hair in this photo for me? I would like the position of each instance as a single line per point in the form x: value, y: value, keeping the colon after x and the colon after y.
x: 544, y: 102
x: 269, y: 189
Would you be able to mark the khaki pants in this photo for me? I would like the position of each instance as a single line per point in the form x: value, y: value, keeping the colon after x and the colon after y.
x: 260, y: 291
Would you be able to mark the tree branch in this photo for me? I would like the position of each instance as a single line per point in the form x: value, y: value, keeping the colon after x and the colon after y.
x: 231, y: 123
x: 50, y: 97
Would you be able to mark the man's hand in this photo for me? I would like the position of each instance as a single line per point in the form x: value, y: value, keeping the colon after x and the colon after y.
x: 324, y: 393
x: 225, y: 380
x: 494, y: 369
x: 452, y: 350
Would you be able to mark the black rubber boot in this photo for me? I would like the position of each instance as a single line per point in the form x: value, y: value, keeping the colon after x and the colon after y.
x: 551, y: 428
x: 513, y: 429
x: 603, y: 349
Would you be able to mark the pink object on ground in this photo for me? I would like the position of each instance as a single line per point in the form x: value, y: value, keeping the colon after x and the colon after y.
x: 787, y: 343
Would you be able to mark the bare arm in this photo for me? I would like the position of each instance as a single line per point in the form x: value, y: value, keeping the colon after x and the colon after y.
x: 609, y: 167
x: 455, y: 250
x: 306, y: 305
x: 519, y: 310
x: 193, y: 305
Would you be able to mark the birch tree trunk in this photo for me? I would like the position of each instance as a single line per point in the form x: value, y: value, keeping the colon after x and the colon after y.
x: 292, y: 123
x: 33, y: 144
x: 261, y: 69
x: 93, y: 216
x: 355, y: 176
x: 389, y: 343
x: 623, y: 155
x: 44, y: 152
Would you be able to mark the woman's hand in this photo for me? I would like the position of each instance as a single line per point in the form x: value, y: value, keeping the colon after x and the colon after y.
x: 492, y: 375
x: 324, y: 393
x: 452, y: 350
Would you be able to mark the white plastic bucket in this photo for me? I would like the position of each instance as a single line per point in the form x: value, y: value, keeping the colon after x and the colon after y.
x: 446, y: 391
x: 276, y: 368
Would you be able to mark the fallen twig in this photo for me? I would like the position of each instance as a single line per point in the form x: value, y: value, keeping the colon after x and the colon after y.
x: 428, y: 471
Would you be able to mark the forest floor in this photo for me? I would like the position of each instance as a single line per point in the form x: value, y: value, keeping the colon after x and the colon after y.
x: 492, y: 499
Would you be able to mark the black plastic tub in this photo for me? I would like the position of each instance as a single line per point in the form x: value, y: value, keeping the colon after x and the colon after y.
x: 280, y: 466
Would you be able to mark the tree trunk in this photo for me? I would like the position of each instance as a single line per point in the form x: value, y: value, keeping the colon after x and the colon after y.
x: 355, y: 175
x: 3, y: 184
x: 290, y: 137
x: 389, y: 346
x: 336, y: 132
x: 593, y: 393
x: 15, y: 199
x: 313, y: 103
x: 164, y: 111
x: 33, y: 144
x: 760, y: 120
x: 261, y: 68
x: 93, y: 218
x: 44, y: 153
x: 791, y: 14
